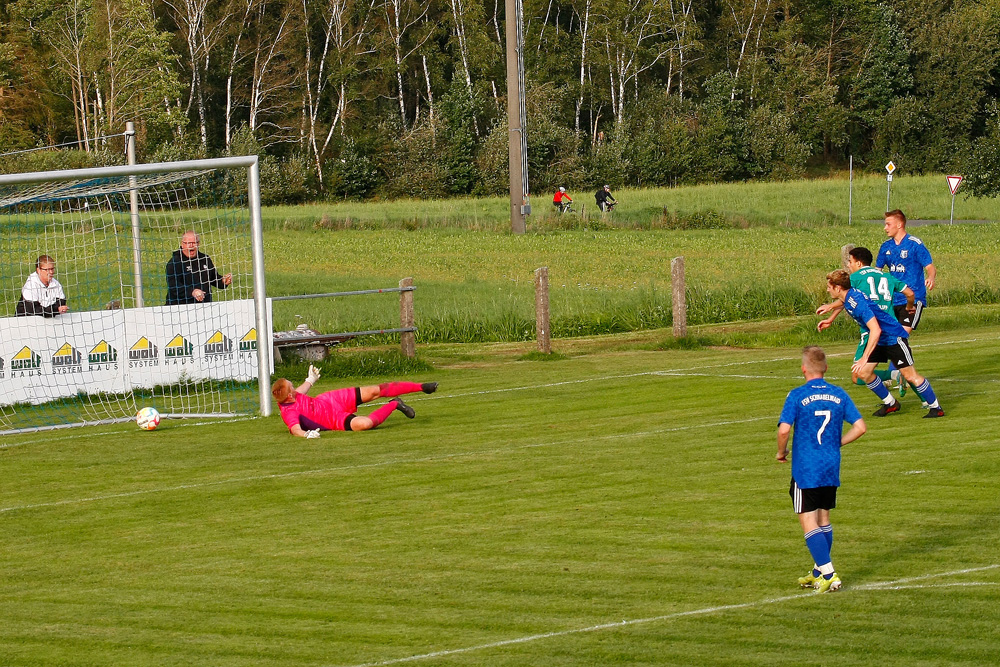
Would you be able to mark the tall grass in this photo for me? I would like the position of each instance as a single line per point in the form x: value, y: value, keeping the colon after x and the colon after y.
x: 476, y: 286
x: 820, y: 201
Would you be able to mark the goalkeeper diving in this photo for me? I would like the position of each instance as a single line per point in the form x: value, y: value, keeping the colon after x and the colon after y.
x: 335, y: 410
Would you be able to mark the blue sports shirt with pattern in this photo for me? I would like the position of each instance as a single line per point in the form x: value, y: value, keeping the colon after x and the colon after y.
x: 906, y: 260
x: 857, y: 305
x: 816, y: 412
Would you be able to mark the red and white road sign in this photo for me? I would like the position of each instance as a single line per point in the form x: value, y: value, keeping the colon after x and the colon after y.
x: 953, y: 183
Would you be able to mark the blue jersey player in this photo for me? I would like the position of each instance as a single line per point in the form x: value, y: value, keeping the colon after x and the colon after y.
x: 887, y: 341
x: 907, y: 258
x: 816, y: 412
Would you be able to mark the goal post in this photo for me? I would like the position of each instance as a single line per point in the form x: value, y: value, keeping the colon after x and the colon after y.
x: 110, y: 233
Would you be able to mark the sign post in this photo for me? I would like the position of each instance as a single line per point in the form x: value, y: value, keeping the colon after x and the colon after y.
x: 889, y: 168
x: 953, y: 183
x: 850, y: 192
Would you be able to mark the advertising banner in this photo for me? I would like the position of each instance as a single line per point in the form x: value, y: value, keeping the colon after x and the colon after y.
x: 115, y: 351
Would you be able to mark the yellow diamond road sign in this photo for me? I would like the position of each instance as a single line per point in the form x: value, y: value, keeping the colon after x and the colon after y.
x: 890, y: 168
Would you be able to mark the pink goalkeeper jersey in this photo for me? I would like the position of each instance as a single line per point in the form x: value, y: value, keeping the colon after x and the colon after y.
x: 326, y: 411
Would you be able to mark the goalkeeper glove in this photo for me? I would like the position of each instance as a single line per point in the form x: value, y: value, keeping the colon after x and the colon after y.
x: 312, y: 434
x: 313, y: 374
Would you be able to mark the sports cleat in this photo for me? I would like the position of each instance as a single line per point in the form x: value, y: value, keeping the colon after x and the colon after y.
x: 886, y: 409
x: 429, y: 387
x: 934, y: 412
x: 901, y: 383
x: 809, y: 581
x: 824, y: 585
x: 405, y: 409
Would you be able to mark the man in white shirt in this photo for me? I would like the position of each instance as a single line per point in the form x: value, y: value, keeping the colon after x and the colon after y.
x: 42, y: 294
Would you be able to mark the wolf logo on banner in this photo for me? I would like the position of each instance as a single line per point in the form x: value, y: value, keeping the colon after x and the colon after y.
x: 67, y: 359
x: 143, y: 353
x: 25, y: 363
x: 218, y: 345
x: 179, y: 350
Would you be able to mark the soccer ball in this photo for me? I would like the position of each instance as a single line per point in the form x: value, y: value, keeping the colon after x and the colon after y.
x: 147, y: 419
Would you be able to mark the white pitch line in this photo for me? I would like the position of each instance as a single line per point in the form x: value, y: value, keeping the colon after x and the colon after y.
x: 925, y: 577
x: 907, y: 587
x: 181, y: 424
x: 379, y: 464
x: 888, y: 585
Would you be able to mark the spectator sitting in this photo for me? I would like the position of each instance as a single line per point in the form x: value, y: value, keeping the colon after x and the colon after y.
x: 191, y: 274
x: 42, y: 294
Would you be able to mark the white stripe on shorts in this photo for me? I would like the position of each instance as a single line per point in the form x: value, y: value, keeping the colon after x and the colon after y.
x: 904, y: 347
x: 796, y: 498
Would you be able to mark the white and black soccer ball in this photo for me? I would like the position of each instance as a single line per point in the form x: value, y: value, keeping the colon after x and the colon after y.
x: 147, y: 419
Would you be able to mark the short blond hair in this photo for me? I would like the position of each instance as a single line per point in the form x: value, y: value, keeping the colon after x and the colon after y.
x: 814, y: 359
x: 896, y: 213
x: 840, y: 278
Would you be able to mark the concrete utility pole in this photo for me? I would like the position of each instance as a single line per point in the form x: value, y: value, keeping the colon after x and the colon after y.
x: 518, y: 144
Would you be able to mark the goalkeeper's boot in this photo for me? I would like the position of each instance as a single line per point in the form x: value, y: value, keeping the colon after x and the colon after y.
x: 934, y: 412
x: 887, y: 409
x: 900, y: 381
x: 404, y: 408
x: 824, y: 585
x: 809, y: 581
x: 429, y: 387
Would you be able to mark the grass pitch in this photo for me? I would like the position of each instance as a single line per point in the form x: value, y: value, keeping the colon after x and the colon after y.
x: 613, y: 507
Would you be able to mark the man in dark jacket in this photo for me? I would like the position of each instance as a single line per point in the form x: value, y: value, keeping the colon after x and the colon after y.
x: 605, y: 200
x: 191, y: 274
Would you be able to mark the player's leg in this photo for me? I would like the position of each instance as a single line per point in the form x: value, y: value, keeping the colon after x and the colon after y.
x: 393, y: 389
x: 877, y: 387
x: 875, y: 384
x: 811, y: 502
x: 379, y: 415
x: 920, y: 384
x: 884, y: 374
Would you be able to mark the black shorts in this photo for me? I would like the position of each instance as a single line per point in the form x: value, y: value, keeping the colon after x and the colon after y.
x: 899, y: 354
x: 906, y: 318
x: 810, y: 500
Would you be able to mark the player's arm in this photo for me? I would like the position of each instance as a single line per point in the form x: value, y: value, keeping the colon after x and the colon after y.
x: 784, y: 430
x: 931, y: 271
x: 874, y: 332
x: 911, y: 305
x: 834, y: 308
x: 857, y: 430
x: 308, y: 383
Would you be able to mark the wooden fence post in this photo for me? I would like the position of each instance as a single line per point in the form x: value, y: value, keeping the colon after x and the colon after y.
x: 845, y: 256
x: 542, y: 309
x: 678, y: 300
x: 407, y: 339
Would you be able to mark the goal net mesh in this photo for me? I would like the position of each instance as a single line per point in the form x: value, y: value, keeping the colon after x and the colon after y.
x: 118, y: 349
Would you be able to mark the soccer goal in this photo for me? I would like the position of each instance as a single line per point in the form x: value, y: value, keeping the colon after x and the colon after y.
x: 109, y: 234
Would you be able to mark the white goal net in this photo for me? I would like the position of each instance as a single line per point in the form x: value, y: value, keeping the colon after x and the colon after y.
x: 128, y: 287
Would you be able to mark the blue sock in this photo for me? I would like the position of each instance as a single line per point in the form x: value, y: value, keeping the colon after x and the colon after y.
x: 828, y: 533
x: 878, y: 388
x: 926, y: 393
x: 818, y: 547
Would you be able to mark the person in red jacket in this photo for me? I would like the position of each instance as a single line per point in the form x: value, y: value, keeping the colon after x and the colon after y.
x: 561, y: 200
